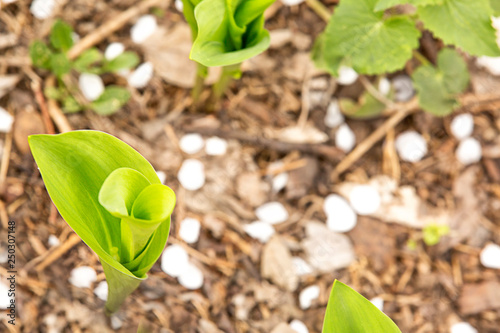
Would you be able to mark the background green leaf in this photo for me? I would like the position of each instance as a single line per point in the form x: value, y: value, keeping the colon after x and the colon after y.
x: 384, y: 4
x: 59, y: 63
x: 61, y: 36
x: 463, y: 23
x: 126, y: 60
x: 437, y: 87
x: 40, y: 54
x: 348, y: 311
x: 111, y: 100
x: 366, y: 41
x: 367, y: 107
x: 495, y: 5
x: 88, y: 58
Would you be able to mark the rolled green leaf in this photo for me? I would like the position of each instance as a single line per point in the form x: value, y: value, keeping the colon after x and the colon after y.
x: 226, y: 32
x: 112, y: 198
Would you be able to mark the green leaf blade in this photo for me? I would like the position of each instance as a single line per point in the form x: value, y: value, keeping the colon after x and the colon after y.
x: 466, y: 24
x: 348, y: 311
x: 111, y: 100
x: 89, y: 57
x: 59, y: 63
x: 40, y: 54
x: 61, y: 36
x: 385, y: 4
x: 126, y: 60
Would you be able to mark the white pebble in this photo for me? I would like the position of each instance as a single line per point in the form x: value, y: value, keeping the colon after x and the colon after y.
x: 191, y: 175
x: 141, y: 76
x: 272, y: 213
x: 101, y: 291
x: 279, y: 182
x: 91, y: 86
x: 174, y: 260
x: 42, y: 9
x: 301, y: 266
x: 411, y: 146
x: 216, y: 146
x: 53, y: 241
x: 114, y: 50
x: 4, y: 295
x: 292, y: 2
x: 189, y: 230
x: 403, y: 88
x: 492, y: 64
x: 378, y: 302
x: 384, y: 86
x: 347, y: 75
x: 179, y: 5
x: 308, y: 295
x: 334, y: 116
x: 191, y: 143
x: 162, y: 176
x: 83, y: 277
x: 4, y: 256
x: 75, y: 37
x: 298, y: 326
x: 340, y: 215
x: 364, y: 199
x: 345, y: 138
x: 462, y: 126
x: 462, y: 328
x: 490, y: 256
x: 144, y: 27
x: 116, y: 322
x: 259, y: 230
x: 191, y: 278
x: 6, y: 120
x: 469, y: 151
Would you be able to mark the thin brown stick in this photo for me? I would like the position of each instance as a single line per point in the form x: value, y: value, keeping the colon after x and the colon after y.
x: 55, y: 112
x: 40, y: 99
x: 376, y: 136
x: 58, y: 252
x: 112, y: 25
x: 326, y: 151
x: 374, y: 92
x: 4, y: 166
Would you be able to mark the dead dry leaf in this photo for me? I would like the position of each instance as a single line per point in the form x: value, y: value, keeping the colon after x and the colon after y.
x: 299, y: 134
x: 7, y: 83
x: 277, y: 264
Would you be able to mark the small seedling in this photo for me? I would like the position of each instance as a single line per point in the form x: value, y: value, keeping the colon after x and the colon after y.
x: 112, y: 198
x: 225, y: 33
x: 373, y: 37
x: 54, y: 58
x: 348, y: 311
x: 431, y: 235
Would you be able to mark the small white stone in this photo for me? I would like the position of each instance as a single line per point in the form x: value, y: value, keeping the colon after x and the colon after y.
x: 364, y: 199
x: 4, y: 295
x: 308, y: 295
x: 83, y: 277
x: 75, y: 37
x: 411, y: 146
x: 191, y: 278
x: 403, y: 88
x: 301, y: 266
x: 490, y: 256
x: 216, y: 146
x: 101, y: 291
x: 191, y: 143
x: 174, y: 260
x: 462, y: 126
x: 116, y: 322
x: 144, y: 27
x: 191, y: 175
x: 292, y: 2
x: 334, y: 116
x: 259, y: 230
x: 384, y: 86
x: 179, y: 5
x: 189, y: 230
x: 42, y: 9
x: 298, y: 326
x: 279, y: 182
x: 91, y: 86
x: 141, y: 76
x: 162, y: 176
x: 340, y: 215
x: 53, y: 241
x: 114, y: 50
x: 462, y: 328
x: 4, y: 255
x: 345, y: 138
x: 492, y: 64
x: 378, y: 302
x: 272, y: 213
x: 347, y: 75
x: 6, y: 120
x: 469, y: 151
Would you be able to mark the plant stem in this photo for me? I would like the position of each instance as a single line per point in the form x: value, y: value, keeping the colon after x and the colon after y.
x: 320, y: 9
x: 420, y: 57
x: 226, y: 77
x: 201, y: 74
